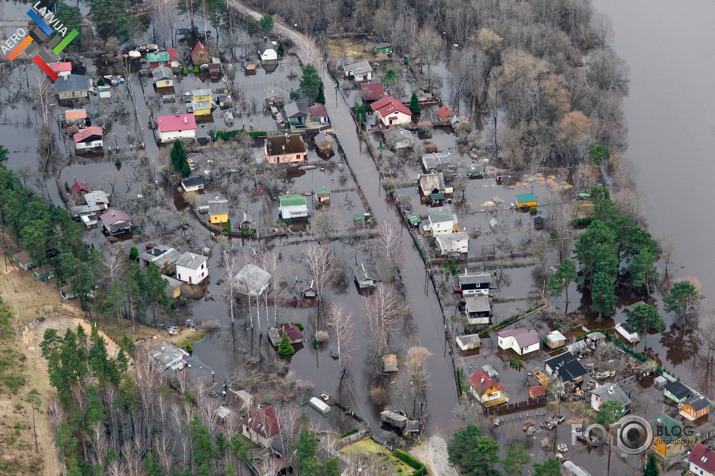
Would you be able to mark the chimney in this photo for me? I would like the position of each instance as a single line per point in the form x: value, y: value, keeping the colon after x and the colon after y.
x: 177, y: 114
x: 186, y: 121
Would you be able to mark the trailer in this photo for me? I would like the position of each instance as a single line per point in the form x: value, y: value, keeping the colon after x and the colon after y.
x: 320, y: 406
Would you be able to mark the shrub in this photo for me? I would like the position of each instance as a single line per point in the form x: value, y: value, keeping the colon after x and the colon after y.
x: 322, y: 336
x: 285, y: 348
x: 211, y: 325
x: 533, y: 210
x: 299, y: 325
x: 420, y: 469
x: 349, y: 432
x: 189, y: 349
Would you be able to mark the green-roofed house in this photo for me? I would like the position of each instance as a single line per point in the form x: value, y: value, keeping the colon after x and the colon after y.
x: 668, y: 436
x: 293, y: 206
x: 384, y: 48
x: 158, y: 59
x: 322, y: 195
x: 526, y: 200
x: 414, y: 220
x: 366, y: 276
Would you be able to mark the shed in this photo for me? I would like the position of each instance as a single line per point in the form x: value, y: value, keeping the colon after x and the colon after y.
x: 323, y: 141
x: 526, y: 200
x: 23, y: 260
x: 660, y: 381
x: 173, y: 286
x: 536, y: 391
x: 320, y: 406
x: 322, y: 195
x: 555, y: 339
x: 539, y: 223
x: 393, y: 418
x: 243, y: 397
x: 252, y: 280
x: 366, y: 276
x: 490, y: 371
x: 468, y: 342
x: 389, y: 363
x: 44, y: 272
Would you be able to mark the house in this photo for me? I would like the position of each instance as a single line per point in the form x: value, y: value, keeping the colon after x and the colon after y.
x: 294, y: 333
x: 193, y: 184
x: 489, y: 392
x: 169, y: 356
x: 97, y: 199
x: 566, y: 367
x: 702, y: 460
x: 366, y: 276
x: 474, y: 283
x: 595, y: 338
x: 79, y: 189
x: 173, y: 286
x: 252, y: 280
x: 372, y: 92
x: 434, y: 184
x: 44, y: 272
x: 61, y: 69
x: 266, y: 50
x: 468, y: 342
x: 116, y: 222
x: 445, y: 114
x: 214, y: 69
x: 360, y: 71
x: 391, y: 112
x: 179, y: 126
x: 89, y: 138
x: 285, y: 149
x: 23, y: 260
x: 382, y: 48
x: 318, y: 114
x: 537, y: 391
x: 668, y: 436
x: 163, y: 257
x: 292, y: 206
x: 436, y: 161
x: 555, y: 339
x: 261, y: 426
x: 200, y: 55
x: 297, y: 113
x: 72, y: 86
x: 274, y: 96
x: 609, y: 393
x: 163, y: 77
x: 389, y: 363
x: 323, y: 141
x: 75, y: 116
x: 478, y: 310
x: 677, y: 391
x: 201, y: 102
x: 628, y: 333
x: 491, y: 371
x: 104, y: 92
x: 520, y: 340
x: 526, y: 200
x: 218, y: 211
x: 158, y: 59
x: 191, y: 268
x: 223, y: 413
x: 452, y: 243
x: 441, y: 221
x: 173, y: 57
x: 322, y: 195
x: 399, y: 138
x: 695, y: 407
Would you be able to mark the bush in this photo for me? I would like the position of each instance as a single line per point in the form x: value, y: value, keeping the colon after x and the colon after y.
x: 459, y: 380
x: 322, y: 336
x: 420, y: 469
x: 285, y: 348
x: 299, y: 325
x: 211, y: 325
x: 533, y: 210
x: 349, y: 432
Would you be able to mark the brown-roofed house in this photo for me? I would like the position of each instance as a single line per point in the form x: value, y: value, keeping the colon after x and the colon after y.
x: 372, y: 92
x: 200, y: 55
x: 79, y: 189
x: 391, y: 112
x: 537, y: 391
x: 285, y: 149
x: 294, y: 333
x: 487, y: 390
x: 261, y: 426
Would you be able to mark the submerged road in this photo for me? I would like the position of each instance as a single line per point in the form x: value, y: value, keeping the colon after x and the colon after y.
x: 426, y: 312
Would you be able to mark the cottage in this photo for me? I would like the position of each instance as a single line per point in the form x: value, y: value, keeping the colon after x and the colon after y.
x: 294, y: 333
x: 200, y: 55
x: 75, y: 116
x: 371, y: 92
x: 668, y: 436
x: 173, y: 286
x: 436, y: 161
x: 473, y: 283
x: 360, y: 71
x: 191, y: 268
x: 609, y: 393
x: 322, y: 195
x: 158, y: 59
x: 214, y: 69
x: 391, y: 112
x: 537, y: 391
x: 297, y: 113
x: 79, y: 189
x: 453, y: 243
x: 323, y: 141
x: 702, y: 460
x: 366, y: 276
x: 445, y: 114
x: 80, y: 211
x: 72, y: 86
x: 566, y: 367
x: 628, y: 333
x: 252, y: 280
x: 433, y: 184
x: 193, y: 184
x: 382, y: 48
x: 478, y: 310
x: 261, y: 426
x: 292, y: 206
x: 218, y: 211
x: 116, y: 222
x: 441, y: 221
x: 285, y: 149
x: 44, y: 272
x: 89, y: 138
x: 201, y: 102
x: 555, y: 339
x: 61, y: 69
x: 520, y: 340
x: 695, y: 407
x: 468, y: 342
x: 23, y: 260
x: 266, y: 50
x: 169, y: 356
x: 318, y: 114
x: 97, y: 199
x: 526, y: 200
x: 677, y: 391
x: 163, y: 77
x: 163, y: 257
x: 488, y: 391
x: 399, y: 138
x: 389, y: 363
x: 179, y: 126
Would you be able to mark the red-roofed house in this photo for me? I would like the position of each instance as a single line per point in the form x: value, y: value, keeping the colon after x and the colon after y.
x: 79, y: 189
x: 62, y: 69
x: 181, y: 126
x: 318, y: 114
x: 89, y: 138
x: 391, y: 111
x: 294, y: 333
x: 200, y: 55
x: 372, y: 92
x: 261, y: 426
x: 173, y: 54
x: 519, y: 340
x: 116, y: 221
x: 75, y: 116
x: 537, y: 391
x: 445, y: 114
x: 702, y: 460
x: 488, y: 391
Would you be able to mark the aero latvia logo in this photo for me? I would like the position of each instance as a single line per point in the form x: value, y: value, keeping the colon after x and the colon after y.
x: 37, y: 38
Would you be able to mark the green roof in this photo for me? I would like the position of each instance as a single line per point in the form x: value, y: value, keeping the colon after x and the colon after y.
x: 357, y: 217
x: 436, y: 196
x: 668, y: 422
x: 287, y: 200
x: 322, y: 191
x: 527, y: 197
x: 414, y: 218
x: 157, y: 57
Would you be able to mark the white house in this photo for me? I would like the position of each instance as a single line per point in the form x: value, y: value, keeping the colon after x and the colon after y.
x: 293, y: 206
x: 266, y: 50
x: 169, y: 356
x: 191, y: 268
x: 441, y: 220
x: 608, y: 393
x: 453, y: 243
x: 360, y: 71
x: 474, y: 283
x: 179, y: 126
x: 391, y: 112
x: 520, y: 340
x: 628, y: 333
x: 702, y: 460
x: 88, y: 138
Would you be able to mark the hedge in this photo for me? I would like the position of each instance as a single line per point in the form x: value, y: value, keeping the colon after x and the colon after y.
x: 420, y: 469
x: 349, y: 432
x: 228, y: 135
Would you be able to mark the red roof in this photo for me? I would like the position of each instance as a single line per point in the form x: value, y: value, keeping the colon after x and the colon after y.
x: 263, y: 421
x: 294, y: 332
x: 73, y: 114
x: 198, y: 49
x: 182, y: 122
x: 388, y: 105
x: 65, y: 67
x: 537, y: 391
x: 318, y: 111
x: 112, y: 216
x: 481, y: 381
x: 88, y: 133
x: 173, y: 54
x: 445, y: 113
x: 703, y: 457
x: 372, y: 91
x: 79, y: 187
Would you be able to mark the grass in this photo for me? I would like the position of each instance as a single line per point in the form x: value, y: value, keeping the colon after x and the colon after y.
x: 12, y: 362
x: 389, y: 464
x: 182, y: 339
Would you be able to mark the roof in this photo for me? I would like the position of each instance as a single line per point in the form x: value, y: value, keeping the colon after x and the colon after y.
x: 389, y: 363
x: 218, y: 207
x: 45, y: 269
x: 171, y: 283
x: 191, y: 260
x: 252, y: 280
x: 478, y: 278
x: 363, y: 272
x: 440, y: 214
x: 388, y: 105
x: 398, y: 134
x: 167, y: 353
x: 596, y: 336
x: 79, y: 187
x: 263, y: 421
x: 678, y: 389
x: 112, y: 216
x: 481, y: 382
x: 173, y: 54
x: 478, y: 304
x: 22, y: 257
x: 361, y: 67
x: 526, y: 197
x: 265, y: 44
x: 318, y: 111
x: 490, y: 370
x: 162, y: 72
x: 322, y: 191
x: 321, y: 138
x: 444, y: 112
x: 414, y: 219
x: 294, y: 332
x: 575, y: 470
x: 201, y: 92
x: 703, y: 457
x: 289, y: 200
x: 296, y: 109
x: 285, y: 144
x: 568, y: 367
x: 627, y: 327
x: 181, y: 122
x: 380, y: 46
x: 160, y: 255
x: 555, y: 336
x: 87, y: 133
x: 193, y: 181
x: 610, y: 393
x: 698, y: 402
x: 666, y: 421
x: 158, y: 57
x: 95, y: 198
x: 524, y: 337
x: 537, y: 391
x: 72, y: 82
x: 449, y: 238
x: 432, y: 181
x: 372, y: 91
x: 469, y: 339
x: 435, y: 160
x: 222, y: 412
x: 74, y: 114
x: 199, y: 49
x: 61, y: 67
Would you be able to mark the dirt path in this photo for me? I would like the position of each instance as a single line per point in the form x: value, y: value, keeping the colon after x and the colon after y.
x: 433, y: 453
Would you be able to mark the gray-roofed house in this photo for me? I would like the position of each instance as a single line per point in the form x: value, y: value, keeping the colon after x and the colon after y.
x: 399, y: 138
x: 609, y: 393
x: 98, y: 199
x: 441, y: 220
x: 252, y: 280
x: 366, y: 276
x: 218, y: 210
x: 453, y: 243
x: 297, y: 113
x: 434, y: 183
x: 193, y: 184
x: 266, y: 50
x: 571, y: 469
x: 169, y: 356
x: 191, y: 268
x: 173, y: 286
x: 163, y: 257
x: 677, y: 391
x: 163, y: 77
x: 491, y: 371
x: 695, y: 407
x: 242, y: 398
x: 473, y: 283
x: 360, y: 71
x: 478, y: 310
x: 468, y: 342
x: 436, y: 161
x: 72, y: 86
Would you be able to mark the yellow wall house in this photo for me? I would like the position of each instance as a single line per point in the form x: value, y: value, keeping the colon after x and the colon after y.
x: 526, y: 200
x: 487, y: 390
x: 668, y: 436
x: 218, y: 211
x: 201, y: 102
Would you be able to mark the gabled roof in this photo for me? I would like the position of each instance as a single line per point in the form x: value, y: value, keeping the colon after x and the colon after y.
x: 568, y: 367
x: 477, y: 304
x: 363, y: 272
x: 440, y: 214
x: 481, y: 382
x: 361, y: 67
x: 444, y: 112
x: 322, y: 191
x: 22, y: 257
x: 296, y: 109
x: 318, y: 111
x: 162, y: 72
x: 429, y: 182
x: 399, y: 134
x: 263, y: 421
x: 526, y: 197
x: 612, y: 393
x: 703, y: 457
x: 322, y: 138
x: 191, y: 260
x: 181, y: 122
x: 218, y: 207
x: 74, y: 114
x: 265, y: 44
x: 555, y: 336
x: 537, y: 391
x: 372, y: 91
x: 193, y: 181
x: 96, y: 198
x: 380, y: 46
x: 388, y: 105
x: 199, y: 49
x: 294, y: 332
x: 173, y: 54
x: 112, y: 216
x: 678, y: 389
x: 474, y: 278
x: 524, y: 337
x: 72, y: 82
x: 61, y: 67
x: 698, y: 402
x: 88, y: 133
x: 449, y: 238
x: 160, y: 57
x: 252, y: 280
x: 79, y: 187
x: 160, y: 255
x: 285, y: 144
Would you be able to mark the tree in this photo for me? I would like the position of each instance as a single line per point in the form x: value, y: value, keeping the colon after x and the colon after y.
x: 307, y: 454
x: 228, y: 227
x: 427, y: 45
x: 382, y: 309
x: 550, y: 467
x: 71, y: 17
x: 266, y: 23
x: 559, y: 282
x: 33, y: 398
x: 415, y: 107
x: 389, y: 78
x: 327, y: 222
x: 320, y: 266
x: 341, y: 322
x: 645, y: 318
x: 310, y: 82
x: 603, y: 294
x: 321, y: 94
x: 609, y: 412
x: 651, y: 468
x: 682, y: 298
x: 473, y: 453
x: 133, y: 253
x: 3, y: 154
x: 598, y: 152
x: 111, y: 18
x: 642, y: 271
x: 515, y: 459
x: 179, y: 159
x: 331, y: 467
x: 285, y: 347
x: 573, y: 131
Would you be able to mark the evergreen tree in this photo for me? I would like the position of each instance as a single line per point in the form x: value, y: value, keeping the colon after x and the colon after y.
x: 550, y: 467
x: 603, y: 294
x: 559, y: 282
x: 515, y: 459
x: 645, y: 318
x: 389, y: 78
x: 415, y: 107
x: 321, y: 94
x: 71, y: 17
x: 133, y: 253
x: 609, y: 412
x: 473, y: 453
x: 111, y: 18
x: 3, y: 154
x: 682, y: 298
x: 179, y: 159
x: 228, y: 227
x: 651, y: 468
x: 310, y: 83
x: 307, y: 451
x: 266, y: 23
x: 285, y: 348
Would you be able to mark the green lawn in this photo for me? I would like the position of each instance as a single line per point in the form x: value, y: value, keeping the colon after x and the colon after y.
x: 389, y: 464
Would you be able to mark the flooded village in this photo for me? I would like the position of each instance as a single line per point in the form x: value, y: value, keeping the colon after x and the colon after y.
x: 314, y: 254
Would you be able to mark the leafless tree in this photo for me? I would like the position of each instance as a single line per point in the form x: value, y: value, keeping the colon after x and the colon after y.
x: 342, y: 323
x: 272, y: 262
x: 390, y: 242
x: 326, y: 223
x: 319, y: 260
x: 417, y: 374
x: 427, y: 45
x: 232, y: 269
x: 44, y: 96
x: 383, y: 309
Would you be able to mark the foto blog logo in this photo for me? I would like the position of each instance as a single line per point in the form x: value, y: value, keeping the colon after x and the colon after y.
x: 48, y: 34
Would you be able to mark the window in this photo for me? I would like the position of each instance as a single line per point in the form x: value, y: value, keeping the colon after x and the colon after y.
x: 202, y: 266
x: 297, y: 156
x: 178, y: 276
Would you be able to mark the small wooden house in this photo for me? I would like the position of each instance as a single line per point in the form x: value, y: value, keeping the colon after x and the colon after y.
x: 44, y: 272
x: 555, y: 339
x: 23, y: 260
x: 294, y: 333
x: 526, y: 200
x: 382, y: 48
x: 695, y: 407
x: 468, y: 342
x: 536, y: 391
x: 366, y: 276
x: 200, y: 55
x: 322, y: 195
x: 669, y: 437
x: 173, y: 286
x: 677, y: 391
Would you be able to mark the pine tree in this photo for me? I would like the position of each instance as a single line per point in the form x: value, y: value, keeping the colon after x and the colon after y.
x: 179, y: 159
x: 284, y: 348
x: 228, y: 227
x: 415, y: 107
x: 651, y: 469
x: 321, y: 94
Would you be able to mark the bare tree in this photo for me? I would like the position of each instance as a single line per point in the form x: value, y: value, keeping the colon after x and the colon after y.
x: 273, y: 265
x: 326, y: 223
x: 390, y: 242
x: 383, y: 309
x: 417, y: 375
x: 427, y: 45
x: 319, y: 259
x: 44, y: 97
x: 232, y: 269
x: 342, y: 323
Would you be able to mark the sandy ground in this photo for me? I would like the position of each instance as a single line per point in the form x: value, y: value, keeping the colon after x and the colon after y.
x: 433, y: 453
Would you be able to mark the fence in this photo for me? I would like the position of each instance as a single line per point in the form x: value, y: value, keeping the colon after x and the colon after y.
x: 505, y: 407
